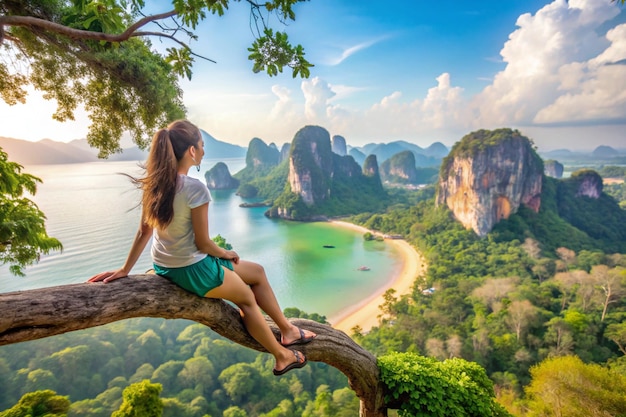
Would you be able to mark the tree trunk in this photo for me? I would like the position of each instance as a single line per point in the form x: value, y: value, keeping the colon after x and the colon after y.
x: 34, y: 314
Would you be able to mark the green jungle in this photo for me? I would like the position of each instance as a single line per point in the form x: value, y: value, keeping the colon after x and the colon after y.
x: 537, y: 306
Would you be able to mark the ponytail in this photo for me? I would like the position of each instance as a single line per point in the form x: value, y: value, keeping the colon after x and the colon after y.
x: 159, y: 185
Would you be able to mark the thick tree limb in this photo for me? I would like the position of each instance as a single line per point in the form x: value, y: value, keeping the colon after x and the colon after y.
x: 34, y: 314
x: 30, y: 21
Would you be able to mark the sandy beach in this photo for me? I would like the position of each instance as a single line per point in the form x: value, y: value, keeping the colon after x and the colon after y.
x: 365, y: 314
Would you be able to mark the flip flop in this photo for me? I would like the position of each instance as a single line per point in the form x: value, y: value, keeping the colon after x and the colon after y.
x: 293, y: 365
x: 301, y: 341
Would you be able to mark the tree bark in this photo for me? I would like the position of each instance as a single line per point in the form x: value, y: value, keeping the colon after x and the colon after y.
x: 34, y: 314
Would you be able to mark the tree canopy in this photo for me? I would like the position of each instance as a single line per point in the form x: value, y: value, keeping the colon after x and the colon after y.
x: 23, y: 236
x: 98, y: 54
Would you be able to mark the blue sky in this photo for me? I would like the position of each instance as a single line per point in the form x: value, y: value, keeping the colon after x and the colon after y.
x: 420, y: 71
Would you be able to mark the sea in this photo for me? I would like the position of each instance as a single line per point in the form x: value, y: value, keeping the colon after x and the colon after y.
x: 92, y: 208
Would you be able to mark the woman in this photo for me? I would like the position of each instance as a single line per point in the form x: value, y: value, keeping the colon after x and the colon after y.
x: 175, y: 213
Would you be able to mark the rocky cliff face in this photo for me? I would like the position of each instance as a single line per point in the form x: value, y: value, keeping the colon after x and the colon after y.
x: 399, y: 168
x: 486, y: 177
x: 553, y: 168
x: 370, y: 166
x: 339, y: 145
x: 219, y: 178
x: 323, y: 183
x: 588, y: 183
x: 261, y: 155
x: 284, y: 151
x: 311, y: 164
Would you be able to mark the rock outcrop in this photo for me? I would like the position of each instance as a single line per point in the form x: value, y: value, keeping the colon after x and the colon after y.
x: 488, y: 175
x: 321, y: 183
x: 260, y: 160
x: 588, y: 183
x: 284, y: 151
x: 261, y: 155
x: 339, y: 145
x: 370, y: 166
x: 400, y: 168
x: 219, y: 178
x: 553, y: 168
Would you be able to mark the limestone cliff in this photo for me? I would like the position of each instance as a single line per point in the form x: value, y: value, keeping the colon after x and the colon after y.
x: 261, y: 155
x: 370, y: 166
x: 219, y: 178
x: 488, y: 175
x: 260, y: 160
x: 553, y: 168
x: 400, y: 168
x: 284, y: 151
x: 322, y: 183
x: 588, y: 183
x: 339, y: 145
x: 311, y: 164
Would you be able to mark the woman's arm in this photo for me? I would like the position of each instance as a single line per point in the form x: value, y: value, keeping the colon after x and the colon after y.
x: 139, y: 244
x: 200, y: 224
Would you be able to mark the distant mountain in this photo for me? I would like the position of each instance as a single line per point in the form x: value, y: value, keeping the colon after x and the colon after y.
x: 601, y: 152
x: 437, y: 150
x: 358, y: 156
x: 49, y: 152
x: 604, y: 152
x: 215, y: 149
x: 430, y: 156
x: 44, y: 152
x: 557, y: 153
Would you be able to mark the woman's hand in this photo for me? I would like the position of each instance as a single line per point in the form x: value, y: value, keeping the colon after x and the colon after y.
x: 108, y: 276
x: 232, y: 256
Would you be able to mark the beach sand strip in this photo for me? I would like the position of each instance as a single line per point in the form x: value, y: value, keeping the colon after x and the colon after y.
x: 365, y: 314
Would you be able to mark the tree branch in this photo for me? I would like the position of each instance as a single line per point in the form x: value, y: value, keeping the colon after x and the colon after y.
x: 172, y: 37
x: 30, y: 21
x: 34, y: 314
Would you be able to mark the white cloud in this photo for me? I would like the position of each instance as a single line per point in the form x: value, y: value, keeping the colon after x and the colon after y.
x: 552, y: 71
x: 389, y: 119
x: 443, y: 104
x: 284, y: 105
x: 317, y: 94
x: 348, y: 52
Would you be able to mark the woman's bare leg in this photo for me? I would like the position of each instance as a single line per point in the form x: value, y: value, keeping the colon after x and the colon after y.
x: 236, y: 290
x: 254, y: 275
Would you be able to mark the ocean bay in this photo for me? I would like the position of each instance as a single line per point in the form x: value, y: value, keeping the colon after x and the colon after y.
x: 92, y: 210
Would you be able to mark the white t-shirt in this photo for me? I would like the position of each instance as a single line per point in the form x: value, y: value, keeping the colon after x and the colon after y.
x: 175, y: 247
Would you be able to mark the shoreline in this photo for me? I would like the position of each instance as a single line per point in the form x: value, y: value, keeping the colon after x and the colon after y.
x: 365, y: 313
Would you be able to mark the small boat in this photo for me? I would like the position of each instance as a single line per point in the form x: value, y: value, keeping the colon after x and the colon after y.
x: 328, y: 246
x: 363, y: 268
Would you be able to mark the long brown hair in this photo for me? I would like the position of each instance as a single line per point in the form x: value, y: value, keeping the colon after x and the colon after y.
x: 159, y: 184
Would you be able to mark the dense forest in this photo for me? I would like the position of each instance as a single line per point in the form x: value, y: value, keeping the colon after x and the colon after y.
x: 520, y: 297
x: 538, y: 304
x: 524, y: 313
x: 200, y: 373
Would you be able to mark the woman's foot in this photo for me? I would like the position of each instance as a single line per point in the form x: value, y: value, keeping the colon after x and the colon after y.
x: 299, y: 362
x: 296, y: 336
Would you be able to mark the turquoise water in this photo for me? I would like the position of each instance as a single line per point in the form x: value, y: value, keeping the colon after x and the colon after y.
x: 92, y: 210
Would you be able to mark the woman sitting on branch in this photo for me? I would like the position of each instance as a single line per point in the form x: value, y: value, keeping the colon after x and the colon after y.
x: 175, y: 211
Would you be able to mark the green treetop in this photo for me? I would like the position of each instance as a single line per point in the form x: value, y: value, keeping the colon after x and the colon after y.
x: 97, y: 53
x: 23, y: 234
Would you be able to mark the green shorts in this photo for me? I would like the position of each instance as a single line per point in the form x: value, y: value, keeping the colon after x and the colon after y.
x: 198, y: 278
